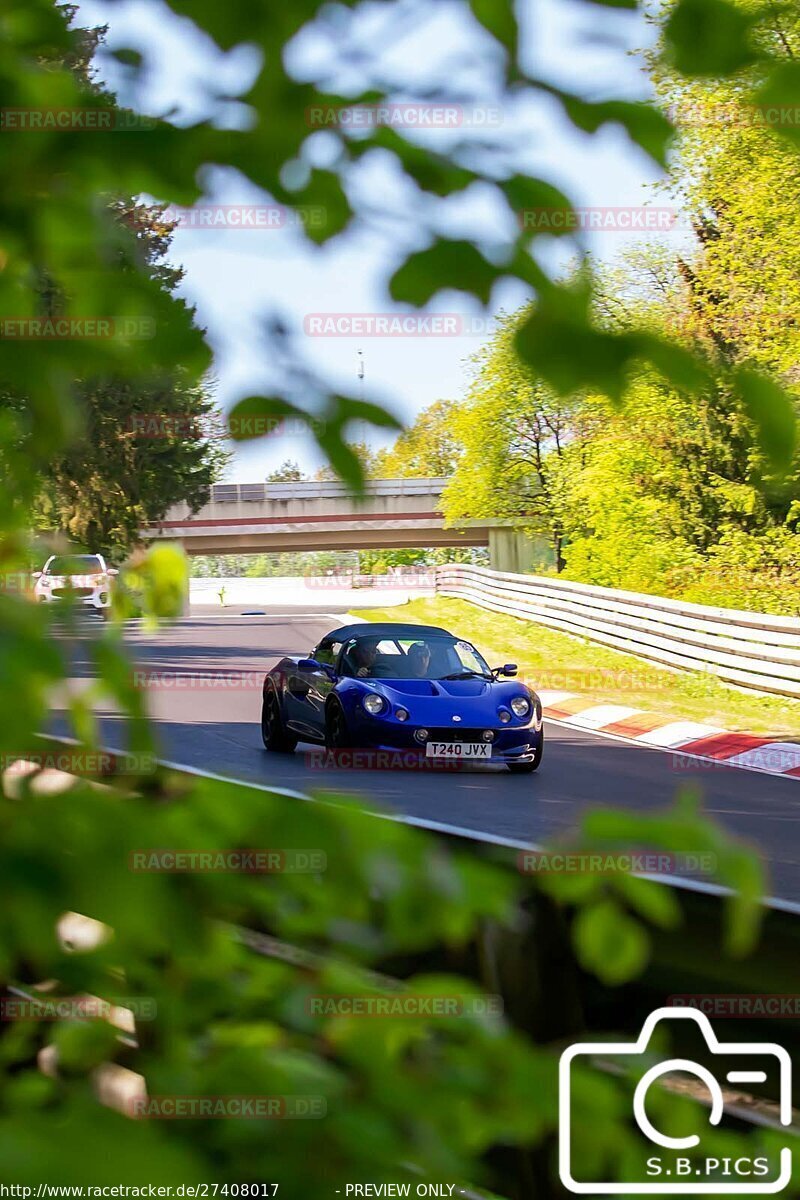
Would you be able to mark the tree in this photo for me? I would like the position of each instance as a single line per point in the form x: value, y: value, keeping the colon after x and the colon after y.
x: 514, y: 432
x: 363, y: 453
x: 287, y: 472
x: 143, y: 448
x: 650, y: 491
x: 429, y: 449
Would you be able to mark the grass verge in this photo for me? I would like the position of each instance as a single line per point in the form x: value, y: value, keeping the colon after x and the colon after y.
x: 557, y: 661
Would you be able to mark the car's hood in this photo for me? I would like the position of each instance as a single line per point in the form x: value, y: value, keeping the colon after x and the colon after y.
x: 455, y: 688
x: 437, y: 701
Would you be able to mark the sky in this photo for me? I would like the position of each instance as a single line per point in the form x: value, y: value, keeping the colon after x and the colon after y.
x: 238, y: 278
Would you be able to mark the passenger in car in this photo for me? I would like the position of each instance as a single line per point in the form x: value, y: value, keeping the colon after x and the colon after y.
x: 419, y: 658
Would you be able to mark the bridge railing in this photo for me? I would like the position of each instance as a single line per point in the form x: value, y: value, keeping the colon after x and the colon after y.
x: 232, y: 493
x: 747, y: 649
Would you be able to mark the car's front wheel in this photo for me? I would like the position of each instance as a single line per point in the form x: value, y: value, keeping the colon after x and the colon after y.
x: 337, y: 735
x: 527, y: 768
x: 273, y: 732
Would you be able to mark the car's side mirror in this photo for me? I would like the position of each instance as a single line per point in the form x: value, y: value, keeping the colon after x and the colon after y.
x: 508, y: 671
x: 314, y: 665
x: 37, y: 574
x: 112, y: 571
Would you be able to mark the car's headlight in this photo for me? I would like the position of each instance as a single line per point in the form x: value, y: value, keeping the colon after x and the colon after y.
x: 520, y: 706
x: 374, y: 704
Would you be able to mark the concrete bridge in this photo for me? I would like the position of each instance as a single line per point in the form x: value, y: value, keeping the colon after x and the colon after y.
x: 257, y: 518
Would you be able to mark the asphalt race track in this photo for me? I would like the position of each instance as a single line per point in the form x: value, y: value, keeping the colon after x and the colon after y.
x: 204, y: 681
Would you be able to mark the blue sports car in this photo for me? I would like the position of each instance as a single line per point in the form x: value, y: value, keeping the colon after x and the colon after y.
x: 403, y: 687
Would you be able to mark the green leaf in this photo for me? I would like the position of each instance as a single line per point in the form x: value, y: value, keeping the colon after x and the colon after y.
x: 644, y: 124
x: 539, y: 206
x: 259, y: 416
x: 709, y: 37
x: 446, y: 264
x: 128, y: 57
x: 432, y: 172
x: 499, y: 18
x: 779, y: 95
x: 160, y: 578
x: 322, y: 205
x: 774, y: 414
x: 330, y: 432
x: 84, y: 1044
x: 656, y: 902
x: 570, y: 355
x: 615, y: 3
x: 682, y: 368
x: 609, y: 943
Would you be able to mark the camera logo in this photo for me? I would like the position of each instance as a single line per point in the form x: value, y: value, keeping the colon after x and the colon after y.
x: 681, y: 1166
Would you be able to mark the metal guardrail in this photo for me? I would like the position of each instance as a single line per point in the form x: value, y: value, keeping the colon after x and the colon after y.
x: 231, y: 493
x: 751, y: 650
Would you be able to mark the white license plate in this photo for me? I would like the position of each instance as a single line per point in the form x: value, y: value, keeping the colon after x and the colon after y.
x: 458, y: 750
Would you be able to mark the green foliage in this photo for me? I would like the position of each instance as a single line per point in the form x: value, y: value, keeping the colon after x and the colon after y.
x: 709, y: 37
x: 647, y: 496
x: 609, y: 935
x: 431, y: 1097
x: 429, y: 449
x: 142, y: 448
x: 154, y: 583
x: 514, y: 431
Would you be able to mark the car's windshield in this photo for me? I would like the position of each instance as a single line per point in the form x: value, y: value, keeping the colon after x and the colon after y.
x: 429, y: 656
x: 75, y: 564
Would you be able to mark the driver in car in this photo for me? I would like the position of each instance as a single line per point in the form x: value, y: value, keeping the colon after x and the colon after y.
x: 419, y: 658
x: 364, y: 654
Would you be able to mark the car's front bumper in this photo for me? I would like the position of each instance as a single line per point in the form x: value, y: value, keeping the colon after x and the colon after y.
x: 510, y: 744
x: 97, y: 598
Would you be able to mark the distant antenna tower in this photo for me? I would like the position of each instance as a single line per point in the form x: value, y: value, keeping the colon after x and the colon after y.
x: 361, y: 373
x: 361, y: 426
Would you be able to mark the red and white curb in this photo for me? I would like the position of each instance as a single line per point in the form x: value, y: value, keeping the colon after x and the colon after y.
x: 707, y: 742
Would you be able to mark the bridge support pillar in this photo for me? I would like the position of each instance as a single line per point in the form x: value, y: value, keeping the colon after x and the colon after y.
x: 512, y: 550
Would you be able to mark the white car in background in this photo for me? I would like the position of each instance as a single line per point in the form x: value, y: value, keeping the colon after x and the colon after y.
x: 83, y: 579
